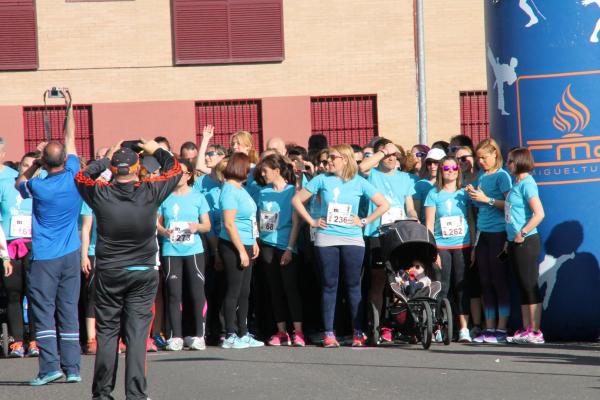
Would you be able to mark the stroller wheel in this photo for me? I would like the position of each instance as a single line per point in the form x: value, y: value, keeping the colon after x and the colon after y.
x: 373, y: 323
x: 426, y: 325
x: 445, y: 321
x: 5, y: 339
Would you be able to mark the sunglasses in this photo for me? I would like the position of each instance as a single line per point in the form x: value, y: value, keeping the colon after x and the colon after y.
x: 333, y: 157
x: 214, y: 153
x: 450, y: 168
x: 464, y: 158
x: 420, y: 154
x: 324, y: 162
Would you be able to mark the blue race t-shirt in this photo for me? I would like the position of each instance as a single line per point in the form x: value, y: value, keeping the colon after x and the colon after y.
x: 56, y: 208
x: 516, y: 207
x: 422, y: 189
x: 491, y: 218
x: 395, y: 188
x: 86, y: 211
x: 275, y: 215
x: 451, y: 228
x: 205, y: 184
x: 177, y: 212
x: 340, y: 202
x: 233, y: 198
x: 15, y: 211
x: 211, y: 190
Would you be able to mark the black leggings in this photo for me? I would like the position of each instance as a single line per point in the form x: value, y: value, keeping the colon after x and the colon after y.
x: 88, y: 288
x: 283, y: 284
x: 493, y: 275
x: 190, y: 268
x: 15, y: 290
x: 523, y: 259
x: 238, y: 288
x: 454, y: 279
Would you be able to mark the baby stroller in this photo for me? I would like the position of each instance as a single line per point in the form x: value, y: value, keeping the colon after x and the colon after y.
x: 415, y: 313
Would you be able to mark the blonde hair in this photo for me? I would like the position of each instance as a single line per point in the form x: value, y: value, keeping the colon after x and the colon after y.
x: 245, y: 138
x: 219, y: 168
x: 491, y: 146
x: 351, y: 168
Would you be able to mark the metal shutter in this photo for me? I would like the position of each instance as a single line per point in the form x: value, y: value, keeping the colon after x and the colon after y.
x: 18, y: 35
x: 227, y: 31
x: 230, y: 116
x: 474, y: 121
x: 33, y: 119
x: 345, y: 119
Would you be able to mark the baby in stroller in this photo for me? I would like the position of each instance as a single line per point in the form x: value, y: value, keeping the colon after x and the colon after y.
x: 414, y: 283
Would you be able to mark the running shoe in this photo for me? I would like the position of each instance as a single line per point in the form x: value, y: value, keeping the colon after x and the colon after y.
x: 229, y: 341
x: 197, y: 343
x: 329, y: 341
x: 464, y: 336
x: 91, y: 347
x: 45, y: 379
x: 32, y: 349
x: 73, y: 378
x: 359, y: 339
x: 248, y: 338
x: 517, y: 336
x: 533, y: 338
x: 501, y: 336
x: 280, y: 339
x: 299, y: 340
x: 160, y: 341
x: 151, y: 346
x: 174, y: 344
x: 437, y: 336
x: 16, y: 350
x: 486, y: 336
x: 386, y: 335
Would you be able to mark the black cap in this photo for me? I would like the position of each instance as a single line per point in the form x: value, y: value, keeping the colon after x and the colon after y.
x: 123, y: 159
x: 151, y: 164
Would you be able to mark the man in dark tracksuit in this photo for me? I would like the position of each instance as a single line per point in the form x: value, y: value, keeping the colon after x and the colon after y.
x: 126, y: 260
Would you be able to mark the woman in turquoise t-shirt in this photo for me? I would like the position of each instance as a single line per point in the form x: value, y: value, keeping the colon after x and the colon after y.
x: 278, y: 226
x: 429, y: 172
x: 182, y: 217
x: 449, y: 216
x: 523, y: 213
x: 238, y: 249
x: 339, y: 239
x: 493, y: 185
x: 398, y: 189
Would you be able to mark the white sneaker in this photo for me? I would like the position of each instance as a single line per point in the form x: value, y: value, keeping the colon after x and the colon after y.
x: 464, y: 336
x: 187, y: 341
x: 174, y: 344
x: 198, y: 343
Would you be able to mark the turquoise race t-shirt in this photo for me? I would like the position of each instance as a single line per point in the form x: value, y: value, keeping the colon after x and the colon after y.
x: 340, y: 202
x: 211, y: 190
x: 422, y: 189
x: 516, y: 207
x: 15, y: 210
x: 275, y: 215
x: 451, y: 228
x: 395, y: 188
x: 177, y: 212
x: 88, y: 212
x: 491, y: 218
x: 233, y: 198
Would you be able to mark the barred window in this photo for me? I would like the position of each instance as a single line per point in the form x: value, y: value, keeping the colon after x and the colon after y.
x: 474, y: 121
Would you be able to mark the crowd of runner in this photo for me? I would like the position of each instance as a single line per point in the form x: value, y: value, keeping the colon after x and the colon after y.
x: 281, y: 248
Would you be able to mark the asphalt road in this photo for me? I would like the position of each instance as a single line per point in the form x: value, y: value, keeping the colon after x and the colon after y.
x: 561, y: 371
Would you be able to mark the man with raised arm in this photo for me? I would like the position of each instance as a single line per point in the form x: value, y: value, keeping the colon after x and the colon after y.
x: 126, y: 259
x: 54, y: 276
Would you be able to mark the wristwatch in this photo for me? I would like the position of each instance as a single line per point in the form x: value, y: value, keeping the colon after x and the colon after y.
x: 491, y: 201
x: 363, y: 222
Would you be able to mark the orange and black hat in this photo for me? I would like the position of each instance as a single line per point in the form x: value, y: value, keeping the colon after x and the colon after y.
x: 124, y: 161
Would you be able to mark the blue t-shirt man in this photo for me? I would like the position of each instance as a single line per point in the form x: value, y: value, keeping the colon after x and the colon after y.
x: 56, y: 208
x: 516, y: 207
x: 275, y: 215
x: 178, y: 211
x: 233, y: 198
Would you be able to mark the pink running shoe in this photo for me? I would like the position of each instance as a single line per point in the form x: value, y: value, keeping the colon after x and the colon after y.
x: 280, y: 339
x: 299, y: 339
x: 386, y: 335
x: 518, y: 335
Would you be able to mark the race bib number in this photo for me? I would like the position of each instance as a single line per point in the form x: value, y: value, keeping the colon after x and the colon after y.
x: 20, y: 226
x: 452, y: 227
x: 254, y: 228
x: 340, y: 214
x: 181, y: 233
x: 507, y: 217
x: 268, y: 221
x: 392, y: 215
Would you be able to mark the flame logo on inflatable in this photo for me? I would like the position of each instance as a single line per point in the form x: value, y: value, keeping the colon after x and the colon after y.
x: 571, y: 116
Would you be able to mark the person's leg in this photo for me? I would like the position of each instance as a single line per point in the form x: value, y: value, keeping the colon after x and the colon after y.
x: 499, y: 277
x: 67, y: 298
x: 193, y: 271
x: 352, y: 261
x: 234, y: 278
x: 42, y: 283
x: 111, y: 286
x: 90, y: 318
x: 289, y: 277
x: 273, y: 272
x: 244, y: 296
x: 14, y: 287
x: 174, y: 285
x: 446, y: 272
x: 460, y: 258
x: 137, y: 316
x: 329, y: 259
x: 483, y: 254
x: 523, y: 259
x: 377, y: 272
